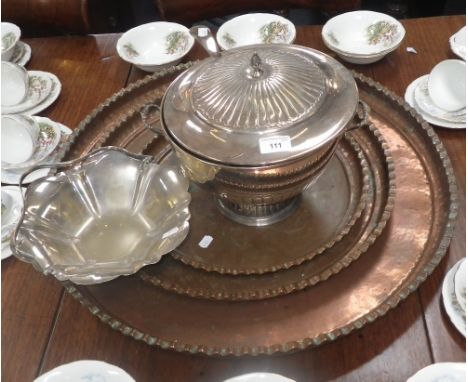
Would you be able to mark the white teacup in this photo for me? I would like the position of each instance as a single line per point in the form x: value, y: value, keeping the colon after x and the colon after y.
x: 447, y: 85
x: 14, y: 84
x: 19, y: 138
x: 10, y: 37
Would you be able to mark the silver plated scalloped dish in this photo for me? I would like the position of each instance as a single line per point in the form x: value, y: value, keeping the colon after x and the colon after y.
x: 108, y: 214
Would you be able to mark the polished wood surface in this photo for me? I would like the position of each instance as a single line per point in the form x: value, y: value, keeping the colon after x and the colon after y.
x: 43, y: 327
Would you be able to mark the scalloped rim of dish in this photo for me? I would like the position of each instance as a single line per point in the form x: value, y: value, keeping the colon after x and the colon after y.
x: 89, y: 273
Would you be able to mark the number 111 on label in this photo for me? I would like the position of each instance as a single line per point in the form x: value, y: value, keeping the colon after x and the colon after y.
x: 274, y: 144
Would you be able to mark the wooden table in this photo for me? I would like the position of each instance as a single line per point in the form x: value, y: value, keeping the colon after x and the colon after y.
x: 43, y: 327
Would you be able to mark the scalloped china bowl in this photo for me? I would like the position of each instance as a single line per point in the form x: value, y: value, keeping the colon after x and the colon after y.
x: 155, y: 46
x: 255, y: 28
x: 362, y: 37
x: 10, y: 37
x: 107, y: 214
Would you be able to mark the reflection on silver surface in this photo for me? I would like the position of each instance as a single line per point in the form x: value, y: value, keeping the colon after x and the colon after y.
x: 108, y: 214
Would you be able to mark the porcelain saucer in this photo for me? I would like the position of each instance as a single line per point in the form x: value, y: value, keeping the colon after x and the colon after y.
x: 48, y: 139
x: 441, y: 372
x: 21, y: 54
x: 409, y: 98
x: 81, y: 371
x: 13, y: 176
x: 39, y: 88
x: 424, y: 101
x: 56, y: 88
x: 455, y: 312
x: 11, y: 213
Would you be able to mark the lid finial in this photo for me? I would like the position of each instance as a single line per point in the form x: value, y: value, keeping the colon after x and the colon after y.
x: 256, y: 69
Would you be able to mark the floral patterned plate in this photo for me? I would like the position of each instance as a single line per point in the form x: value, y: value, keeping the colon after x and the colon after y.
x: 21, y: 54
x: 13, y: 176
x: 50, y: 99
x: 455, y: 312
x: 86, y: 371
x: 39, y: 88
x: 255, y: 28
x: 48, y: 139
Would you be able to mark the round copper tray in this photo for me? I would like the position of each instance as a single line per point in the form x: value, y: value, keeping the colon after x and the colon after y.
x: 327, y: 211
x: 412, y: 244
x: 182, y: 279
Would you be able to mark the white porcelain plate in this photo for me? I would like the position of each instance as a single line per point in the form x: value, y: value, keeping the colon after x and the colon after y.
x: 460, y: 284
x: 458, y: 43
x: 13, y: 176
x: 259, y: 377
x: 86, y: 371
x: 21, y: 54
x: 455, y: 312
x: 12, y: 204
x: 441, y: 372
x: 255, y: 28
x: 424, y: 101
x: 409, y: 98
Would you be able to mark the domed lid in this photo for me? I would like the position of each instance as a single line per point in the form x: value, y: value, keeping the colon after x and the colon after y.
x: 259, y: 104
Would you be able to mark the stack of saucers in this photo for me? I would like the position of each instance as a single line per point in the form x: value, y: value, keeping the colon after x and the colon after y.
x: 28, y: 142
x: 440, y: 97
x: 27, y: 92
x: 454, y: 295
x: 13, y: 49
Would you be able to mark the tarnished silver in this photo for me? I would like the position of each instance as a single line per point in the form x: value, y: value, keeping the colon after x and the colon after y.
x: 106, y: 214
x: 256, y: 125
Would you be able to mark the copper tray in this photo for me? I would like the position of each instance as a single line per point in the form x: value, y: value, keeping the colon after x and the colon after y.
x: 182, y: 279
x: 327, y: 211
x: 412, y: 244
